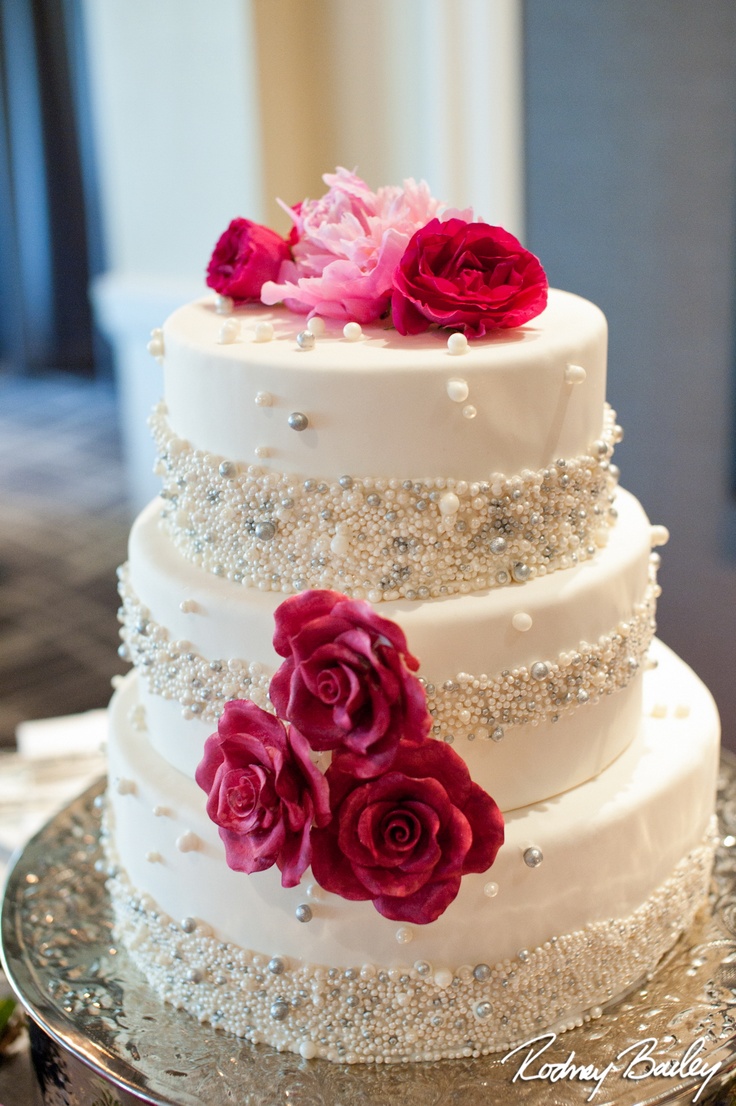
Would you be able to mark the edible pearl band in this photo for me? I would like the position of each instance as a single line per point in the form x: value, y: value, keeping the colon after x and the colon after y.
x: 366, y: 1013
x: 467, y: 706
x: 379, y: 538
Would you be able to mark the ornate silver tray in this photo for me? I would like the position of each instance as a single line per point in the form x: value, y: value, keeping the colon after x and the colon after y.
x: 100, y: 1038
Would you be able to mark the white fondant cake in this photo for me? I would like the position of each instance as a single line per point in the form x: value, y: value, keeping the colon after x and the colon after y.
x: 470, y: 499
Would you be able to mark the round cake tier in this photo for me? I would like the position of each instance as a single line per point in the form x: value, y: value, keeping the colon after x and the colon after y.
x: 537, y: 685
x: 387, y: 405
x: 620, y: 864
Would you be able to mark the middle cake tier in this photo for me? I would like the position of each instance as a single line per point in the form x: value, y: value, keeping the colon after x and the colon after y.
x: 537, y: 686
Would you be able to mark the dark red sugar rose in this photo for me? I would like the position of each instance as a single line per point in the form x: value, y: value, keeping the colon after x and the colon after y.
x: 405, y: 839
x: 262, y: 791
x: 245, y: 257
x: 468, y: 276
x: 347, y: 682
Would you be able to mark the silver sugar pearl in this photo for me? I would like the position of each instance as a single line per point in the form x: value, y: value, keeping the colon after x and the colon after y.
x: 266, y: 531
x: 298, y: 421
x: 188, y: 925
x: 540, y: 670
x: 481, y: 972
x: 303, y: 913
x: 483, y: 1010
x: 533, y: 856
x: 345, y: 482
x: 227, y: 468
x: 520, y: 572
x: 305, y: 339
x: 498, y: 545
x: 276, y: 966
x: 279, y: 1010
x: 497, y: 733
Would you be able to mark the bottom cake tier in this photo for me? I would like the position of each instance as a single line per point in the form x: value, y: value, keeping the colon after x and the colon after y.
x: 619, y: 866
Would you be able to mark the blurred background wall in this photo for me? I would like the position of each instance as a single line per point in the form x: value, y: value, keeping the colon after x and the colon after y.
x: 603, y: 134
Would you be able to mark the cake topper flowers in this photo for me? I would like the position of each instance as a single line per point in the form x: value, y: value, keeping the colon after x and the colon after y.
x: 395, y: 818
x: 361, y: 256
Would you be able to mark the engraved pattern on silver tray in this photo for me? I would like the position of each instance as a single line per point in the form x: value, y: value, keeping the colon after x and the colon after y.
x: 86, y: 994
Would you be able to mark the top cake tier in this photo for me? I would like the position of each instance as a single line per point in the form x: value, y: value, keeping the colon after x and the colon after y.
x: 386, y: 405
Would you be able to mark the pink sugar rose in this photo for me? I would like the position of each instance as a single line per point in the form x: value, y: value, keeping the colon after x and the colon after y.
x: 469, y: 276
x: 263, y: 791
x: 347, y: 681
x: 246, y: 256
x: 405, y: 839
x: 346, y: 246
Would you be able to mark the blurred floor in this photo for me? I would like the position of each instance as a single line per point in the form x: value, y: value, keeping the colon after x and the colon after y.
x: 63, y: 528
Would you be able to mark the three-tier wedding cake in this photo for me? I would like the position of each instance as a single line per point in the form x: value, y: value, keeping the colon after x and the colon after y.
x: 399, y: 772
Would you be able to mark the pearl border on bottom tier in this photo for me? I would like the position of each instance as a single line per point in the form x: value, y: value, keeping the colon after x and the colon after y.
x: 369, y: 1014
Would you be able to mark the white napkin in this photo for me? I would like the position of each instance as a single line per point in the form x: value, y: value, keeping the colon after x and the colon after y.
x: 57, y: 759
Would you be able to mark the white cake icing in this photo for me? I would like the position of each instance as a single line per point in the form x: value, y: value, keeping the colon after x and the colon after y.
x: 471, y: 634
x: 608, y: 846
x: 379, y: 407
x: 471, y: 496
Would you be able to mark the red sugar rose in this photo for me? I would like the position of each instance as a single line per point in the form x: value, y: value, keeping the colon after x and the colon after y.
x: 347, y: 682
x: 245, y: 257
x: 469, y: 276
x: 262, y: 791
x: 406, y: 839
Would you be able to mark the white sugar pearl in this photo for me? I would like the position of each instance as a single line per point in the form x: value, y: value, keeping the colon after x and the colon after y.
x: 340, y: 544
x: 156, y: 346
x: 189, y: 606
x: 224, y: 305
x: 263, y: 399
x: 470, y: 412
x: 316, y: 326
x: 575, y: 374
x: 490, y: 889
x: 261, y: 451
x: 307, y: 1050
x: 443, y: 978
x: 522, y: 621
x: 352, y: 331
x: 229, y: 332
x: 264, y: 332
x: 404, y: 934
x: 188, y: 842
x: 449, y: 504
x: 457, y: 343
x: 457, y: 390
x: 660, y: 535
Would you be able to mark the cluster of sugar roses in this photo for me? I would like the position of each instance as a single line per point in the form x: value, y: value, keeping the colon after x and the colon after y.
x: 395, y: 818
x: 361, y: 255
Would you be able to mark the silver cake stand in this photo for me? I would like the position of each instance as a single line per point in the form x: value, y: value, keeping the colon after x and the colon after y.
x: 100, y: 1038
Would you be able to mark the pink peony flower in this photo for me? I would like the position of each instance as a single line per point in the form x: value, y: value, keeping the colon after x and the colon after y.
x: 263, y: 791
x: 246, y: 255
x: 405, y: 839
x: 347, y: 682
x: 346, y: 247
x: 470, y: 276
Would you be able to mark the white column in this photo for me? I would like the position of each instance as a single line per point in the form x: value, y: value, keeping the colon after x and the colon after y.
x: 433, y: 89
x: 177, y: 137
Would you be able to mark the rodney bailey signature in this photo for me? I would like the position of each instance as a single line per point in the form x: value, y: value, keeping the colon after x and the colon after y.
x: 635, y: 1063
